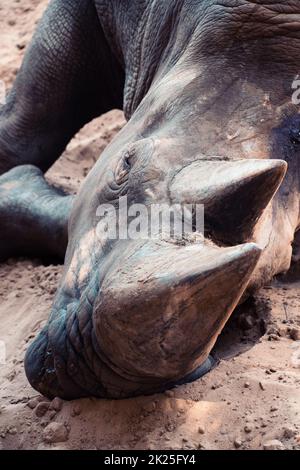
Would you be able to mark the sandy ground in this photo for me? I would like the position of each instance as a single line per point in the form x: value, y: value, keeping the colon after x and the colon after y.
x: 250, y: 401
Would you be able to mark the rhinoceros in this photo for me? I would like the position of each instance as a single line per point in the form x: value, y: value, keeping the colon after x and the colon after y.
x: 206, y: 88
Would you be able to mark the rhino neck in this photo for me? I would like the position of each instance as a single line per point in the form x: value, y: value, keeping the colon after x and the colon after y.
x: 140, y: 34
x: 149, y: 37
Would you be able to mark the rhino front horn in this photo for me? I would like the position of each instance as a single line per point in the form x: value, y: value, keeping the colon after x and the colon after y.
x: 157, y: 320
x: 234, y: 194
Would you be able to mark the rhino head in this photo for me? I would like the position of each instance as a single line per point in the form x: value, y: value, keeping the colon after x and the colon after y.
x: 209, y: 126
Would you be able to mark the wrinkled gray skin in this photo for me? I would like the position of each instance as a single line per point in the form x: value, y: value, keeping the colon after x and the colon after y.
x: 206, y: 88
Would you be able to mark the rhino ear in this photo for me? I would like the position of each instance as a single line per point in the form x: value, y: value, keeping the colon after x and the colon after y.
x: 160, y: 318
x: 234, y: 194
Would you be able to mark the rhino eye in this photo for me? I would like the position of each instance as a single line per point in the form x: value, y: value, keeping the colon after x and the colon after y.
x: 123, y: 168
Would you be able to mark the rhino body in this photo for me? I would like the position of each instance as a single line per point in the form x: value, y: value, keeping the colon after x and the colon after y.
x: 206, y: 87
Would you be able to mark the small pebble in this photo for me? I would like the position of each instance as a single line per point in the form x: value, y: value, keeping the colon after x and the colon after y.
x: 55, y: 432
x: 237, y: 443
x: 248, y: 428
x: 295, y: 334
x: 273, y: 445
x: 149, y: 407
x: 42, y: 409
x: 262, y: 386
x: 56, y: 404
x: 289, y: 432
x: 76, y: 411
x: 273, y: 337
x: 13, y: 431
x: 33, y: 403
x: 21, y: 45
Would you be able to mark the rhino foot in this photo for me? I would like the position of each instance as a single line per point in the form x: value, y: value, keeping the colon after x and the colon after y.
x: 33, y: 215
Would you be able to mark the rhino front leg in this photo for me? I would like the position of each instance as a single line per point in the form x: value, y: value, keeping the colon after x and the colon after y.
x: 33, y: 215
x: 67, y: 78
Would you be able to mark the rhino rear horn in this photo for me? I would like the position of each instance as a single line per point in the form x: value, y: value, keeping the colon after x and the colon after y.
x: 234, y: 194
